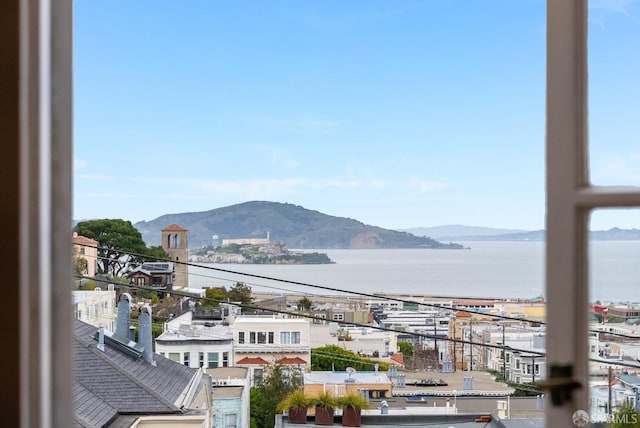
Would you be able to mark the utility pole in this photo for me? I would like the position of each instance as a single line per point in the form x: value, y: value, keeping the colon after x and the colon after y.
x: 471, y: 344
x: 435, y: 334
x: 609, y: 386
x: 455, y: 338
x: 504, y: 356
x: 533, y: 369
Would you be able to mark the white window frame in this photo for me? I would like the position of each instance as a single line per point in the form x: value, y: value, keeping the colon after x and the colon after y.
x: 570, y: 197
x: 42, y: 132
x: 213, y: 360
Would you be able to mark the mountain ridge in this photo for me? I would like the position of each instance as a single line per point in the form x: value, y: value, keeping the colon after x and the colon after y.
x: 489, y: 234
x: 294, y: 225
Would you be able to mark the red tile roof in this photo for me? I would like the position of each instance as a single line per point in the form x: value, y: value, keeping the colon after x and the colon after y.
x: 463, y: 314
x: 252, y: 360
x: 174, y: 228
x: 398, y: 358
x: 288, y: 360
x: 79, y: 239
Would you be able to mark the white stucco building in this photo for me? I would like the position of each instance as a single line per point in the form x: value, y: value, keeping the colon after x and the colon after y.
x: 259, y: 341
x: 96, y: 307
x: 196, y: 345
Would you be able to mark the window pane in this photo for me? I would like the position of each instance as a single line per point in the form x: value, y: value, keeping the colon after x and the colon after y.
x: 614, y: 93
x: 212, y: 358
x: 614, y: 319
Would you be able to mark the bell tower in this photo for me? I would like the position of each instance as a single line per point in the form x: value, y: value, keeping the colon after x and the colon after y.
x: 175, y: 243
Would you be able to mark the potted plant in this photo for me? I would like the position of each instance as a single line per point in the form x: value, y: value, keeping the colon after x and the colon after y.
x: 352, y: 405
x: 324, y: 403
x: 296, y: 404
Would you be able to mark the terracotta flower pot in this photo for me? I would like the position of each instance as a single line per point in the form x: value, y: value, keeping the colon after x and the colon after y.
x: 324, y: 415
x: 298, y: 415
x: 351, y: 417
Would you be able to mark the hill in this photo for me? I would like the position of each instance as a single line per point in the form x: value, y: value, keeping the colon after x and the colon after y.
x: 294, y: 225
x: 457, y: 230
x: 469, y: 233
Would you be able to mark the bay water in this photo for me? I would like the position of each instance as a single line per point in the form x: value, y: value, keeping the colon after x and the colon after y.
x: 487, y: 269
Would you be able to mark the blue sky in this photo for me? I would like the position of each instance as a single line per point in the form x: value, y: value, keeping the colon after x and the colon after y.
x: 397, y: 113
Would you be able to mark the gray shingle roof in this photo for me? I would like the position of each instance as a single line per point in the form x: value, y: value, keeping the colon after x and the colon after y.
x: 110, y: 383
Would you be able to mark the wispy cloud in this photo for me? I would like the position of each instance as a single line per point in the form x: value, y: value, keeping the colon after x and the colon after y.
x: 287, y: 186
x: 278, y: 156
x: 423, y: 186
x: 617, y: 6
x: 618, y: 169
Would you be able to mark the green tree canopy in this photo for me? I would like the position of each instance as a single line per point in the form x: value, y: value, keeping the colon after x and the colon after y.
x: 156, y: 253
x: 406, y: 348
x: 240, y: 292
x: 80, y: 265
x: 332, y: 357
x: 120, y: 245
x: 627, y: 416
x: 278, y: 381
x: 215, y: 293
x: 304, y: 304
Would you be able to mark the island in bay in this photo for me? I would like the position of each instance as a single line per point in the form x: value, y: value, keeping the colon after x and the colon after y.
x: 256, y: 253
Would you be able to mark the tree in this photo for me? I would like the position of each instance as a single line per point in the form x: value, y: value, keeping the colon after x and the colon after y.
x: 80, y: 266
x: 406, y: 348
x: 240, y: 292
x: 157, y: 253
x: 333, y: 357
x: 304, y: 304
x: 626, y: 416
x: 278, y: 381
x: 214, y: 293
x: 120, y: 245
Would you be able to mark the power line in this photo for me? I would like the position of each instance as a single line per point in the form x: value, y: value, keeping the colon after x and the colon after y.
x: 415, y: 334
x: 333, y: 289
x: 373, y: 296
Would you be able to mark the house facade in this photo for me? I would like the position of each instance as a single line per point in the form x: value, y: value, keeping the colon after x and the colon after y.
x: 371, y: 385
x: 230, y: 397
x: 86, y: 249
x: 259, y: 341
x: 96, y: 307
x: 197, y: 345
x: 158, y: 276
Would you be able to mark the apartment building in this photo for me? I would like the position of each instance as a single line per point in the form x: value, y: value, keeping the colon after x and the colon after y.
x: 196, y: 344
x: 96, y: 307
x: 259, y: 341
x: 86, y: 249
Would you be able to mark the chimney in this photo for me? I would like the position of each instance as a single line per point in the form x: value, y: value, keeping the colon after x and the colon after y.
x: 124, y: 315
x: 101, y: 339
x: 144, y: 333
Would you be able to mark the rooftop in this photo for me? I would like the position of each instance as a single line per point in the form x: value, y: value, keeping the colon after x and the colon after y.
x: 108, y: 383
x: 339, y: 377
x: 174, y: 228
x: 217, y: 332
x: 227, y: 392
